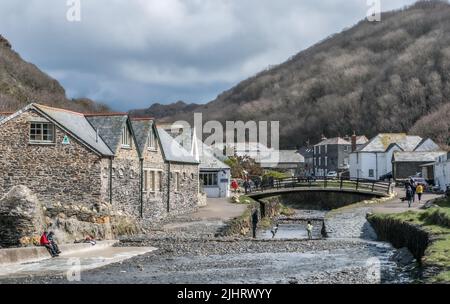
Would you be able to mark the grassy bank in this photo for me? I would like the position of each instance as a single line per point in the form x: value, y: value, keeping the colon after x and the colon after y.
x: 435, y: 222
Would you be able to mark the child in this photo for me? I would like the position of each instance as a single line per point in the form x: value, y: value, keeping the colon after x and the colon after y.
x: 309, y: 228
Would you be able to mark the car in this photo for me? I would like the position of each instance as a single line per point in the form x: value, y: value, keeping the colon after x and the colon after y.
x: 386, y: 177
x: 419, y: 180
x: 332, y: 174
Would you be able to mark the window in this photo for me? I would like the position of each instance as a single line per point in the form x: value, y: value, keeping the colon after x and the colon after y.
x: 42, y: 132
x: 326, y: 149
x: 150, y: 183
x: 370, y: 172
x: 326, y: 160
x: 126, y: 137
x: 177, y: 181
x: 209, y: 179
x: 151, y: 140
x: 346, y: 148
x: 320, y: 160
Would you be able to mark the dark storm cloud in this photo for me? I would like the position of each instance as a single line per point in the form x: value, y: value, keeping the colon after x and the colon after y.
x: 135, y: 52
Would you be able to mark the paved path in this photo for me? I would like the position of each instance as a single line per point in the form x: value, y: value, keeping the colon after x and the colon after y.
x: 397, y: 206
x: 207, y: 220
x: 71, y: 263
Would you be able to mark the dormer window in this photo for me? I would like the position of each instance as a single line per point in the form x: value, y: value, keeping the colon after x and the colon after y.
x: 151, y: 140
x: 126, y: 138
x: 42, y: 132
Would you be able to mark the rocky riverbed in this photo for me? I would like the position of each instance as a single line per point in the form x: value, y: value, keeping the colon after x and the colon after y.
x: 189, y: 254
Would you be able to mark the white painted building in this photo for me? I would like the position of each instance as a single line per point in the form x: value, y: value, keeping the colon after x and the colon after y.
x: 442, y: 171
x: 374, y: 159
x: 214, y: 173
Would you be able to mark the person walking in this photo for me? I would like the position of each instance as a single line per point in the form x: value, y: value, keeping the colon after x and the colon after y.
x: 246, y: 186
x: 309, y: 229
x: 46, y: 243
x: 254, y: 222
x: 409, y: 195
x: 413, y: 189
x: 419, y: 191
x: 234, y: 185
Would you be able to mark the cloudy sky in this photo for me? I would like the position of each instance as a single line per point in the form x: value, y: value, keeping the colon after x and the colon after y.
x: 132, y: 53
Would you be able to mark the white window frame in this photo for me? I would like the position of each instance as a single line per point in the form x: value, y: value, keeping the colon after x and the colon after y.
x: 326, y: 149
x: 126, y: 137
x: 212, y: 179
x: 150, y: 178
x: 152, y: 144
x: 39, y: 126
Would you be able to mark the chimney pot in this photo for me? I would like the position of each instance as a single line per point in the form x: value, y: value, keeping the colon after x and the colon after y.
x: 354, y: 142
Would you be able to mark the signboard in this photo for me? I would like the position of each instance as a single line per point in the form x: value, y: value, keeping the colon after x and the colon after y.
x: 66, y: 140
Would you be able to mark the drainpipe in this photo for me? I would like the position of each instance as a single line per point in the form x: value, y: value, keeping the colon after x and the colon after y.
x: 110, y: 179
x: 168, y: 189
x: 141, y: 187
x: 376, y: 165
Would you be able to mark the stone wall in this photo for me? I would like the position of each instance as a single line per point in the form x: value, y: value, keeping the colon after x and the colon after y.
x: 54, y: 172
x: 154, y: 202
x: 23, y: 219
x: 126, y: 180
x: 319, y: 200
x: 185, y: 198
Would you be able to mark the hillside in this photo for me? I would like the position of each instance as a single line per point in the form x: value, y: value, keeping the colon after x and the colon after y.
x: 373, y: 77
x: 22, y: 82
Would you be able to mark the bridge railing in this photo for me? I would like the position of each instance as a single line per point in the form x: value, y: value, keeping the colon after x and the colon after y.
x: 327, y: 182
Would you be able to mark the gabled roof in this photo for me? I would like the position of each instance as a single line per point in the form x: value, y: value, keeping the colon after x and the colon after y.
x: 427, y: 144
x: 4, y: 115
x: 401, y: 156
x: 334, y: 141
x: 384, y: 141
x: 172, y: 150
x: 109, y: 127
x: 141, y: 128
x: 208, y: 160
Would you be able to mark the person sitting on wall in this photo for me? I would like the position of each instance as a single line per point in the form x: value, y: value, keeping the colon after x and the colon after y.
x: 46, y: 243
x: 51, y: 239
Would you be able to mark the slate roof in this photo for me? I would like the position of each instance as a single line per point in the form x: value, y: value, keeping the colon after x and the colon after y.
x: 77, y: 124
x: 172, y: 150
x: 360, y: 140
x: 109, y: 128
x: 141, y: 128
x: 400, y: 156
x: 384, y: 141
x: 208, y: 160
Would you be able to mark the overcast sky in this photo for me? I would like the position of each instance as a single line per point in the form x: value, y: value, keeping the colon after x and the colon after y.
x: 132, y: 53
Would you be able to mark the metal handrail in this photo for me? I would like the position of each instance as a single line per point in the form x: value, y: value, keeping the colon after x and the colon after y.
x: 326, y: 182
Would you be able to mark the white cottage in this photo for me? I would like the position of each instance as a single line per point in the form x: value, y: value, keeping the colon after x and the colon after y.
x: 374, y: 159
x: 442, y: 171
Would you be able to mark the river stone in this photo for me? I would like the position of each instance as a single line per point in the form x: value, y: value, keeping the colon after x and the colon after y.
x: 21, y: 218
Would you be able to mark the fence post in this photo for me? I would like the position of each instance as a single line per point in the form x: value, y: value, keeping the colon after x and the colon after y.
x: 389, y: 188
x: 342, y: 180
x: 373, y: 186
x: 357, y: 184
x: 324, y: 181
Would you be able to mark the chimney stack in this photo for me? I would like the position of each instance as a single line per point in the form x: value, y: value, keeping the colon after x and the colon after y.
x: 323, y: 137
x: 354, y: 142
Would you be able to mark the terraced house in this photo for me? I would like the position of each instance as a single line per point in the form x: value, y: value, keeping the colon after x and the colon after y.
x: 71, y: 157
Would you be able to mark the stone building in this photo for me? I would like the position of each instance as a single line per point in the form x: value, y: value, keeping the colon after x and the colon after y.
x: 170, y: 175
x: 68, y: 157
x: 332, y: 154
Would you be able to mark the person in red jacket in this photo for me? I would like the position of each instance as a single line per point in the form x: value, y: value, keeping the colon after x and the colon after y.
x: 46, y: 243
x: 234, y: 185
